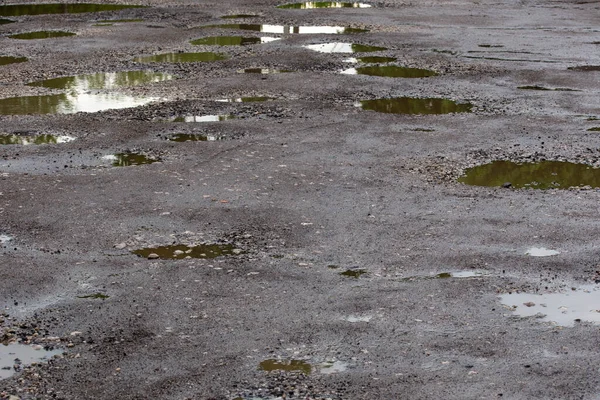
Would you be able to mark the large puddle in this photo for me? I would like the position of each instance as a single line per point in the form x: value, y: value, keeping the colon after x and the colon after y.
x: 231, y: 40
x: 181, y: 251
x: 324, y: 4
x: 129, y: 159
x: 411, y: 105
x: 289, y: 29
x: 182, y: 57
x: 41, y: 35
x: 539, y: 175
x: 390, y: 71
x: 343, y: 48
x: 581, y: 304
x: 14, y: 357
x: 34, y: 139
x: 15, y: 10
x: 5, y: 60
x: 280, y: 365
x: 103, y: 80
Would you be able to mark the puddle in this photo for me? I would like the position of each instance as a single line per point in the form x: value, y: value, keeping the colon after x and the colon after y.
x: 353, y: 273
x: 103, y: 80
x: 370, y: 60
x: 540, y: 175
x: 390, y: 71
x: 333, y: 367
x: 15, y: 10
x: 324, y: 4
x: 292, y: 365
x: 447, y: 275
x: 264, y: 71
x: 245, y: 99
x: 490, y: 45
x: 594, y: 129
x: 182, y: 57
x: 202, y: 118
x: 289, y: 29
x: 116, y: 21
x: 129, y: 159
x: 181, y: 251
x: 541, y: 252
x: 535, y: 87
x: 343, y: 48
x: 185, y: 137
x: 6, y: 21
x: 239, y: 16
x: 34, y: 139
x: 585, y: 68
x: 41, y: 35
x: 21, y: 355
x: 5, y: 60
x: 358, y: 318
x: 561, y: 308
x: 411, y: 105
x: 231, y: 41
x: 94, y: 296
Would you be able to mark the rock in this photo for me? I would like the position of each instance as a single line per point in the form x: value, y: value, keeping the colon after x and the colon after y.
x: 506, y: 185
x: 153, y: 256
x: 529, y: 304
x: 75, y: 333
x: 178, y: 252
x: 120, y: 246
x: 236, y: 251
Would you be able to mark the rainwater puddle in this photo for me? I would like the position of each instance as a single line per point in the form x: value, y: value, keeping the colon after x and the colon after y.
x: 370, y: 60
x: 541, y: 252
x: 15, y: 10
x: 540, y: 175
x: 5, y: 60
x: 353, y: 273
x: 279, y: 365
x: 22, y: 355
x: 264, y: 71
x: 535, y: 87
x: 448, y: 275
x: 129, y: 159
x: 6, y: 21
x: 41, y: 35
x: 390, y: 71
x: 333, y: 367
x: 324, y: 4
x: 594, y: 129
x: 34, y: 139
x: 411, y: 105
x: 358, y: 318
x: 183, y: 57
x: 240, y: 16
x: 94, y: 296
x: 231, y: 41
x: 186, y: 137
x: 585, y: 68
x: 181, y: 251
x: 288, y: 29
x: 245, y: 99
x: 202, y: 118
x: 343, y: 48
x: 561, y: 308
x: 103, y: 80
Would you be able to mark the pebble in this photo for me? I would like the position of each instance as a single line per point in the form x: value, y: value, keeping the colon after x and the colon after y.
x: 120, y: 246
x: 153, y: 256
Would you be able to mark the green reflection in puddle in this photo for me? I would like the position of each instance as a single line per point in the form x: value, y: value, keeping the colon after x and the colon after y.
x: 15, y: 10
x: 324, y: 4
x: 188, y: 137
x: 5, y: 60
x: 337, y: 47
x: 103, y: 80
x: 6, y: 21
x: 375, y: 59
x: 594, y: 129
x: 353, y: 273
x: 34, y: 139
x: 183, y: 57
x: 129, y: 159
x: 181, y: 251
x: 391, y: 71
x: 94, y: 296
x: 540, y: 175
x: 411, y: 105
x: 239, y: 16
x: 231, y: 41
x: 287, y: 29
x: 279, y: 365
x: 41, y: 35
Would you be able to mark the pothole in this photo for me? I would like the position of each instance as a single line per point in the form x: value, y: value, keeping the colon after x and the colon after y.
x: 353, y: 273
x: 541, y: 252
x: 578, y: 304
x: 370, y: 59
x: 16, y: 356
x: 390, y: 71
x: 412, y: 105
x: 129, y: 159
x: 283, y: 365
x: 34, y: 139
x: 181, y: 251
x: 231, y: 41
x: 188, y: 137
x: 5, y: 60
x: 537, y: 175
x: 263, y: 71
x: 324, y: 4
x: 182, y: 57
x: 15, y: 10
x: 289, y: 29
x: 339, y: 47
x: 41, y: 35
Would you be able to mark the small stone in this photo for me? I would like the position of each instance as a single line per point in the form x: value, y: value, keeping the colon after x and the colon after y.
x: 75, y: 333
x: 236, y: 251
x: 120, y: 246
x: 529, y: 304
x: 37, y: 347
x: 178, y: 252
x: 153, y: 256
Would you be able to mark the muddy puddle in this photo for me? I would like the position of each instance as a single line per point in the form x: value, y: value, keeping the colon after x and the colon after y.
x: 202, y: 118
x: 343, y: 48
x: 390, y: 71
x: 282, y: 365
x: 14, y: 357
x: 5, y: 60
x: 353, y: 273
x: 25, y: 140
x: 412, y: 105
x: 289, y: 29
x: 370, y: 60
x: 539, y: 175
x: 15, y: 10
x: 249, y: 99
x: 41, y: 35
x: 231, y: 41
x: 324, y: 4
x: 182, y: 57
x: 129, y: 159
x: 181, y: 251
x: 263, y: 71
x: 541, y: 252
x: 188, y: 137
x: 564, y: 309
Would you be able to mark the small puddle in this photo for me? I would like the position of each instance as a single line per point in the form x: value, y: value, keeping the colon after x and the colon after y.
x: 535, y: 87
x: 541, y: 252
x: 186, y: 137
x: 279, y: 365
x: 370, y: 59
x: 6, y: 21
x: 353, y: 273
x: 585, y: 68
x: 103, y: 80
x: 183, y: 57
x: 202, y: 118
x: 15, y: 10
x: 358, y: 318
x: 15, y: 356
x: 343, y: 48
x: 240, y: 16
x: 181, y: 251
x: 289, y: 29
x: 264, y: 71
x: 324, y: 4
x: 540, y: 175
x: 5, y: 60
x: 250, y: 99
x: 390, y: 71
x: 129, y: 159
x: 594, y: 129
x: 332, y: 367
x: 34, y: 139
x: 94, y: 296
x: 411, y: 105
x: 41, y: 35
x: 231, y: 41
x: 447, y: 275
x: 563, y: 309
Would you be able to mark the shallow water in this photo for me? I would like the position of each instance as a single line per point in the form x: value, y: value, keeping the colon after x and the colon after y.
x: 203, y: 118
x: 25, y: 354
x: 41, y: 35
x: 370, y: 59
x: 249, y: 99
x: 541, y: 252
x: 231, y: 41
x: 183, y: 57
x: 264, y: 71
x: 15, y: 10
x: 129, y: 159
x: 187, y: 137
x: 34, y: 139
x: 338, y: 47
x: 353, y: 273
x: 181, y: 251
x: 103, y: 80
x: 5, y: 60
x: 279, y: 365
x: 289, y: 29
x: 390, y: 71
x: 411, y: 105
x: 324, y: 4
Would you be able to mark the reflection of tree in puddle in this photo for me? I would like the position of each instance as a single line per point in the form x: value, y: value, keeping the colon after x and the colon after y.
x: 325, y: 4
x: 231, y: 40
x: 5, y: 60
x: 409, y: 105
x: 103, y: 80
x: 183, y: 57
x: 34, y: 139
